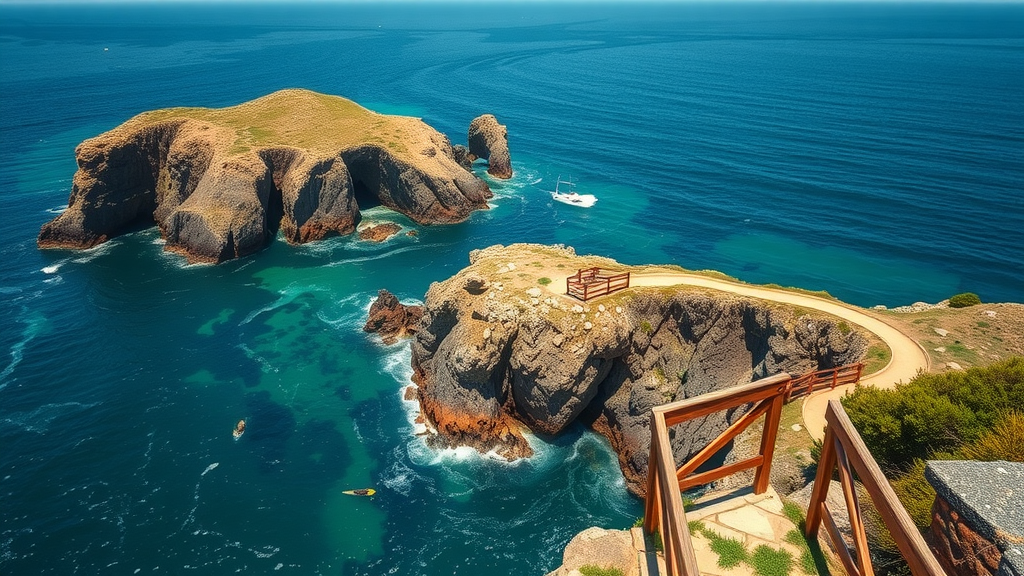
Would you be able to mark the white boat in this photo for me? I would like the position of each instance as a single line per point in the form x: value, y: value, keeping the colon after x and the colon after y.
x: 571, y: 197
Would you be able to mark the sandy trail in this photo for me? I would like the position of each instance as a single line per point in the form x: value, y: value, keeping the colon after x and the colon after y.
x: 908, y: 357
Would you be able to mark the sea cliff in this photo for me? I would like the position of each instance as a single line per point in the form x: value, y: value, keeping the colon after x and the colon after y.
x: 221, y: 183
x: 501, y: 350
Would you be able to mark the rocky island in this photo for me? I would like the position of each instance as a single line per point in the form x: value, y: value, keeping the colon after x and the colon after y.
x: 221, y: 183
x: 501, y: 350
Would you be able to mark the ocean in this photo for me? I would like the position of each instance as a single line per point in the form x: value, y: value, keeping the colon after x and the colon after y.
x: 875, y: 151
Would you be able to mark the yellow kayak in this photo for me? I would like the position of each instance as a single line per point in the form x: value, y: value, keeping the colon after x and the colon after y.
x: 360, y: 492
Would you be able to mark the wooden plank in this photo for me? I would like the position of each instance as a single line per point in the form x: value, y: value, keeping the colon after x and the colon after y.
x: 720, y: 472
x: 705, y: 404
x: 838, y: 544
x: 768, y: 435
x: 674, y: 528
x: 724, y: 438
x: 860, y: 537
x: 826, y: 463
x: 912, y: 546
x: 652, y: 502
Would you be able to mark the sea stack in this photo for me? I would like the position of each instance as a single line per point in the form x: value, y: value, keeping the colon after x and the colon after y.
x: 221, y: 183
x: 489, y: 140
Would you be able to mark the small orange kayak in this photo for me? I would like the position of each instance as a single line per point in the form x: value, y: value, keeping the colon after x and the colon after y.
x: 239, y: 429
x: 360, y: 492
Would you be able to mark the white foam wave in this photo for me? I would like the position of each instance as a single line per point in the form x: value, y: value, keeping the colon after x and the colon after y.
x: 398, y: 478
x: 34, y: 325
x: 10, y: 290
x: 383, y: 254
x: 265, y: 364
x: 289, y: 294
x: 95, y: 252
x: 57, y: 209
x: 54, y: 280
x: 53, y: 268
x: 346, y: 313
x: 397, y: 363
x: 39, y: 419
x: 210, y: 467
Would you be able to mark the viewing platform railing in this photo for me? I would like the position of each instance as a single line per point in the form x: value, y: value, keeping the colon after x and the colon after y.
x: 828, y: 378
x: 843, y: 447
x: 590, y: 283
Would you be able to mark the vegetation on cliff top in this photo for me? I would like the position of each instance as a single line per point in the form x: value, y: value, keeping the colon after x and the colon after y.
x: 298, y: 118
x: 968, y: 415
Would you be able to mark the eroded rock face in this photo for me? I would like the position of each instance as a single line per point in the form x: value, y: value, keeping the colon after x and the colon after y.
x: 489, y: 140
x: 491, y: 356
x: 216, y: 196
x: 392, y: 319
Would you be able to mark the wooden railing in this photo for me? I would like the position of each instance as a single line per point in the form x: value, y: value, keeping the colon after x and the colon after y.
x: 590, y: 283
x: 828, y: 378
x: 664, y: 505
x: 844, y: 449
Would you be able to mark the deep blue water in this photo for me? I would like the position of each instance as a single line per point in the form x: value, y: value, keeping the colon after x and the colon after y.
x: 875, y: 151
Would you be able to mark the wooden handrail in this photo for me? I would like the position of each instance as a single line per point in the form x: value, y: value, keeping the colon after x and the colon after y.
x: 663, y: 507
x: 590, y: 283
x: 844, y: 448
x: 830, y: 378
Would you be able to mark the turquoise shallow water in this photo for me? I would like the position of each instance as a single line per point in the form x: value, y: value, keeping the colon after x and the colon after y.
x: 876, y: 152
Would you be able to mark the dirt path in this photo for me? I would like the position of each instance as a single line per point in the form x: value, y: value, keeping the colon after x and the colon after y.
x: 908, y: 357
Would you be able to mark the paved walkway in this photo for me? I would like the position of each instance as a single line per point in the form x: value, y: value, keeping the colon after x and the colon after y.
x: 908, y: 357
x: 737, y: 514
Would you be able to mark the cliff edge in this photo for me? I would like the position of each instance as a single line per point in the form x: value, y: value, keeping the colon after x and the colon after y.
x: 500, y: 349
x: 221, y: 183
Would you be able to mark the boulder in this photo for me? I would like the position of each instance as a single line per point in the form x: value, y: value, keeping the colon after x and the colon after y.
x: 392, y: 319
x: 605, y: 549
x: 379, y: 232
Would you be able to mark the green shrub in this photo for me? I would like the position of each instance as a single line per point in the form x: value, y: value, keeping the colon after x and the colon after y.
x: 934, y: 413
x: 646, y: 327
x: 964, y: 300
x: 1005, y: 441
x: 916, y: 494
x: 591, y: 570
x: 544, y: 281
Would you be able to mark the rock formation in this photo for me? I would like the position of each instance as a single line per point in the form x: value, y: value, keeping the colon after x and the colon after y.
x: 220, y: 183
x: 379, y: 232
x: 489, y: 140
x: 495, y: 352
x: 392, y: 319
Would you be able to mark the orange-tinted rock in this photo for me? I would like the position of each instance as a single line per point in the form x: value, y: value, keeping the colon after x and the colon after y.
x: 392, y: 319
x: 379, y: 232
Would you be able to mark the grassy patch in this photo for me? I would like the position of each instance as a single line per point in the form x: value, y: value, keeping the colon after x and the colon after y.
x: 876, y: 358
x: 544, y: 281
x: 768, y: 561
x: 592, y: 570
x: 730, y: 552
x: 646, y: 327
x: 793, y: 512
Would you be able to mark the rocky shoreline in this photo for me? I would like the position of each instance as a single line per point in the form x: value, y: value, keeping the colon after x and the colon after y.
x: 497, y: 353
x: 221, y: 183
